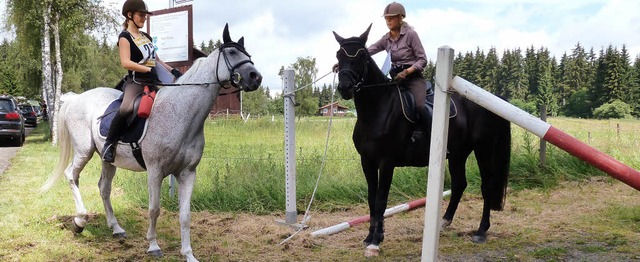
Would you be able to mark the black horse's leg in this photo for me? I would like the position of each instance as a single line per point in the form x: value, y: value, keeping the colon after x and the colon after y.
x: 370, y: 169
x: 458, y: 185
x: 481, y: 235
x: 382, y: 197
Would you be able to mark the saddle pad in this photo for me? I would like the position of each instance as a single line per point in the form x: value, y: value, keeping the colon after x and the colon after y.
x: 133, y: 133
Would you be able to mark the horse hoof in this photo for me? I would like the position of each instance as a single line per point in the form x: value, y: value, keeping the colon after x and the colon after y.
x: 479, y: 239
x: 444, y: 224
x: 155, y: 253
x: 78, y: 225
x: 120, y: 235
x: 372, y: 251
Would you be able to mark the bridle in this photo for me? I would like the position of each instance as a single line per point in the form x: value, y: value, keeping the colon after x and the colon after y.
x: 355, y: 77
x: 235, y: 76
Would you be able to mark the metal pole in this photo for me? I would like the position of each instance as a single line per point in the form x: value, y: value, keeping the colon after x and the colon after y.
x: 437, y: 155
x: 290, y: 146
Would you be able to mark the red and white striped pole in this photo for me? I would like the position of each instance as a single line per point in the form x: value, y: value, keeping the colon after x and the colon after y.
x: 547, y: 132
x: 363, y: 219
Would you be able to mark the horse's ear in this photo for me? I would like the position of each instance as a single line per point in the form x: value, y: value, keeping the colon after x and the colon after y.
x: 225, y: 34
x: 365, y: 35
x: 241, y: 41
x: 340, y: 39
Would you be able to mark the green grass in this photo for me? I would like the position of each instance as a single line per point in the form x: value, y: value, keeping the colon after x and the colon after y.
x: 242, y: 170
x: 243, y: 167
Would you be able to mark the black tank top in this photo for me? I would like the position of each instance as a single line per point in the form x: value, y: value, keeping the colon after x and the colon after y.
x: 137, y: 55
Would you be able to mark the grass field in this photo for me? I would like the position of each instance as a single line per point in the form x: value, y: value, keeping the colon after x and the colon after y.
x: 553, y: 212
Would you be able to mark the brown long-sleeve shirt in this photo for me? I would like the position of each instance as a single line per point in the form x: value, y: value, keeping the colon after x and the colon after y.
x: 406, y: 50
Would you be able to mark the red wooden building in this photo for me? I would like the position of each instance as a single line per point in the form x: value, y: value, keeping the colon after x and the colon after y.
x: 333, y: 108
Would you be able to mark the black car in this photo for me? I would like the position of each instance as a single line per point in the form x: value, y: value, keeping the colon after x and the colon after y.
x: 11, y: 121
x: 30, y: 114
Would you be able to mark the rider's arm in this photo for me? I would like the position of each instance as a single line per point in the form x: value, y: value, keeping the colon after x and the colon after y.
x: 125, y: 57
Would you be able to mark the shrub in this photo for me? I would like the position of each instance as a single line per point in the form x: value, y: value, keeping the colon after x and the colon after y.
x: 615, y: 109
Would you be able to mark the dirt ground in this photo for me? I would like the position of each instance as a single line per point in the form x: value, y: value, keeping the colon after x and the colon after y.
x: 569, y: 223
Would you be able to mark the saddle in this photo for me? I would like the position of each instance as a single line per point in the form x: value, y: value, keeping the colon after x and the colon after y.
x: 136, y: 126
x: 408, y: 103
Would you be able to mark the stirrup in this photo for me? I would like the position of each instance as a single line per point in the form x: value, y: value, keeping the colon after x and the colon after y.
x: 108, y: 153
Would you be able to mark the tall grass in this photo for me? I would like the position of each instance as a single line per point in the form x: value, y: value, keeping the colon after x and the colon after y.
x: 243, y: 164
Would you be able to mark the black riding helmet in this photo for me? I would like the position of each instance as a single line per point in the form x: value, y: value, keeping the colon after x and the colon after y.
x: 134, y: 6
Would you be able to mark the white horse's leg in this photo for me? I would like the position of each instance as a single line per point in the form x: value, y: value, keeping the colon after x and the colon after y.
x: 154, y: 183
x: 186, y: 181
x: 72, y: 173
x: 106, y: 178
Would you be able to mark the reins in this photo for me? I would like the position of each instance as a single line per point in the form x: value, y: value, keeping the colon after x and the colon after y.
x: 235, y: 76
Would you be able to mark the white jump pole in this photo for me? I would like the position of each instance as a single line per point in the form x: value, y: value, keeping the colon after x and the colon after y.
x: 437, y: 154
x: 547, y: 132
x: 363, y: 219
x: 291, y: 214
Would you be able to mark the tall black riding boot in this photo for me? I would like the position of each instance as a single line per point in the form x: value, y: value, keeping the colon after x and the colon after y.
x: 423, y: 122
x: 111, y: 142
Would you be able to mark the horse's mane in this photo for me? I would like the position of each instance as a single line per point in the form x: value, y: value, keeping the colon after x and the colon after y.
x: 191, y: 73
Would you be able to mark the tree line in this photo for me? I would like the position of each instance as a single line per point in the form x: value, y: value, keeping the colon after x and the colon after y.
x: 53, y: 35
x: 580, y: 84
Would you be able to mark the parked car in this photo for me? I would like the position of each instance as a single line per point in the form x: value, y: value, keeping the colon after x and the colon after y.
x: 11, y: 121
x: 30, y: 115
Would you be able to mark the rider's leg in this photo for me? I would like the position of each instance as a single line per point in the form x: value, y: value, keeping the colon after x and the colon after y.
x: 418, y: 86
x: 131, y: 91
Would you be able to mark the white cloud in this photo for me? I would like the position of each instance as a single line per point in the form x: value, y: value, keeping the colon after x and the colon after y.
x: 278, y: 32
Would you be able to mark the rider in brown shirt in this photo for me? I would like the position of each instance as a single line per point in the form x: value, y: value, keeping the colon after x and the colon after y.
x: 408, y: 58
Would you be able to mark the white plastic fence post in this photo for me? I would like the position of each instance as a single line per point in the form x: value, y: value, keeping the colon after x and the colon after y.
x: 290, y: 146
x: 437, y: 154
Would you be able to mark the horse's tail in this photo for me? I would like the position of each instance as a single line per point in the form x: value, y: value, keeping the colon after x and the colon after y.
x: 64, y: 142
x: 500, y: 162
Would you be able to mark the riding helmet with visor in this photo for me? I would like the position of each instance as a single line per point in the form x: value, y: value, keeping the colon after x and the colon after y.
x: 134, y: 6
x: 394, y: 9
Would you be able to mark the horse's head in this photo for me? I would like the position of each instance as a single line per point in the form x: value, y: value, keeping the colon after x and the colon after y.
x: 235, y: 65
x: 353, y: 61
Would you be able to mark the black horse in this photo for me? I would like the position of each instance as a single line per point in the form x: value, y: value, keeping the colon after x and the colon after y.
x: 383, y: 138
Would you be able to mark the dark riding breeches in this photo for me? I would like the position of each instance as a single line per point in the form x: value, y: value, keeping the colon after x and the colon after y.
x: 131, y: 91
x: 418, y: 87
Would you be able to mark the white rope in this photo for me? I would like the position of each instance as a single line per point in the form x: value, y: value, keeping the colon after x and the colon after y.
x: 308, y: 85
x: 306, y: 216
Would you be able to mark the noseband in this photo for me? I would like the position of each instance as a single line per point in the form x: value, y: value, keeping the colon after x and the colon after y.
x: 355, y: 77
x: 235, y: 76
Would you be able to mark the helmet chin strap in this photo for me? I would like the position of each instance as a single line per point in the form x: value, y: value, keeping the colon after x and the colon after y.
x: 134, y: 22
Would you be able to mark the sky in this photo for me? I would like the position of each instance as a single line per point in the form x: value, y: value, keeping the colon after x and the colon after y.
x: 277, y: 32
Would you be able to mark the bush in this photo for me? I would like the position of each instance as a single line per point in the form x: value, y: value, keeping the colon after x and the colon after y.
x: 530, y: 107
x: 615, y: 109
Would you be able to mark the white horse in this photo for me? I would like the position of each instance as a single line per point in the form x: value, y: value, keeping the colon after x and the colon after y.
x: 173, y: 142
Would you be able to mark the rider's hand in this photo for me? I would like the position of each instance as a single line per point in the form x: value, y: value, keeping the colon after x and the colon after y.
x: 176, y: 73
x: 335, y: 68
x: 402, y: 75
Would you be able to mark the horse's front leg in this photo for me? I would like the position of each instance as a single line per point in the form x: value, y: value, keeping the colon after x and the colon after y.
x: 186, y: 181
x: 106, y: 179
x: 370, y: 169
x: 154, y: 184
x: 377, y: 219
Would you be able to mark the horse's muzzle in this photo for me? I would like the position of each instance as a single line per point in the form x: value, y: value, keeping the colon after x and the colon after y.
x: 346, y: 90
x: 248, y: 79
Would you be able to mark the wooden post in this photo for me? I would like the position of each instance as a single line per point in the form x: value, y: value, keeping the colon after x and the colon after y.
x: 437, y: 155
x: 543, y: 143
